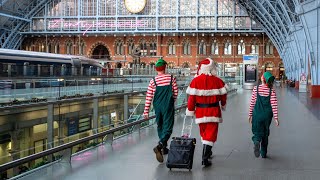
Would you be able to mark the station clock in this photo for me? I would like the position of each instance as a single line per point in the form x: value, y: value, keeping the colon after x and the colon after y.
x: 135, y: 6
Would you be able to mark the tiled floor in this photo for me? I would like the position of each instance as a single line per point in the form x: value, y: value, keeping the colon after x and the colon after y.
x: 293, y: 150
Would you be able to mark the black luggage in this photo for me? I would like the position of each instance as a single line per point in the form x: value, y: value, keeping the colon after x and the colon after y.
x: 182, y: 149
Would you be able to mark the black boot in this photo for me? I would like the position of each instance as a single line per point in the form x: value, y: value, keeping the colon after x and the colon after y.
x: 206, y: 155
x: 165, y: 150
x: 256, y: 149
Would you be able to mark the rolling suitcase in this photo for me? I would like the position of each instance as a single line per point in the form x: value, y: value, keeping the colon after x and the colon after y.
x: 182, y: 148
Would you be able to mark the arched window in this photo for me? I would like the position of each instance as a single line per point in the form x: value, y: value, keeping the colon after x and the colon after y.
x: 269, y: 48
x: 82, y: 47
x: 49, y: 48
x: 69, y: 47
x: 153, y: 49
x: 130, y: 46
x: 171, y: 65
x: 202, y: 48
x: 172, y: 47
x: 41, y: 47
x: 214, y: 47
x: 185, y: 65
x: 241, y: 47
x: 119, y: 47
x: 186, y: 47
x: 227, y: 47
x: 143, y: 48
x: 254, y: 47
x: 57, y: 48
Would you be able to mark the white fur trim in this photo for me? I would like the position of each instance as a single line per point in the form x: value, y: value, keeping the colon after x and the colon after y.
x: 208, y: 119
x: 210, y: 143
x: 210, y: 92
x: 189, y: 113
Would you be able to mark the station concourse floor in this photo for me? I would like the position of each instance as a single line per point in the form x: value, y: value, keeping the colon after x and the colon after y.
x: 294, y: 149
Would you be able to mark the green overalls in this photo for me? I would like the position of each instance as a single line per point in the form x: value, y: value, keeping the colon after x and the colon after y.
x: 261, y: 120
x: 163, y: 104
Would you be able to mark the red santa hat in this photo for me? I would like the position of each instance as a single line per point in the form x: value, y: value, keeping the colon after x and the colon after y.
x: 206, y: 67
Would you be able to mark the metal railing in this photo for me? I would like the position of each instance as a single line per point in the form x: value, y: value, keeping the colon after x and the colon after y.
x: 70, y: 145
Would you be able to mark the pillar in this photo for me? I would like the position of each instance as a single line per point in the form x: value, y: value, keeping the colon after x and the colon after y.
x: 51, y: 70
x: 9, y: 70
x: 81, y: 71
x: 90, y: 70
x: 25, y: 68
x: 63, y: 69
x: 73, y: 71
x: 50, y: 127
x: 95, y: 115
x: 126, y: 107
x: 39, y: 69
x: 15, y: 147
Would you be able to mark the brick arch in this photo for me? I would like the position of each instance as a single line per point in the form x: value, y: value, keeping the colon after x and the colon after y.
x: 269, y: 62
x: 152, y: 63
x: 212, y: 40
x: 39, y: 41
x: 183, y: 65
x: 255, y: 39
x: 81, y: 40
x: 130, y: 40
x: 151, y: 40
x: 93, y: 46
x: 280, y: 63
x: 173, y: 40
x: 186, y: 40
x: 118, y: 40
x: 238, y: 41
x: 68, y: 40
x: 172, y: 64
x: 202, y: 39
x: 226, y: 39
x: 142, y: 39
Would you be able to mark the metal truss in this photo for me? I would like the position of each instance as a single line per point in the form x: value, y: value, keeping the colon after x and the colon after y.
x: 14, y: 39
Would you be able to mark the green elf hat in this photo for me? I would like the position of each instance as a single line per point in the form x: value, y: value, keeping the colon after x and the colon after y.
x: 268, y: 77
x: 160, y: 65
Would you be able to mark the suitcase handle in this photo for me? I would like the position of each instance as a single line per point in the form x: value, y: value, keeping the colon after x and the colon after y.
x: 186, y: 127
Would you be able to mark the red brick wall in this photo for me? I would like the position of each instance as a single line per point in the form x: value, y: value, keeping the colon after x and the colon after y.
x: 162, y: 48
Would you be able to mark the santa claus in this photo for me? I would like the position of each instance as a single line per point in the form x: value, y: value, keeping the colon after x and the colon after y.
x: 207, y: 96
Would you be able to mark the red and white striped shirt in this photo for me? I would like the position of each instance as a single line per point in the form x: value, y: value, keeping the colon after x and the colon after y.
x: 264, y: 91
x: 161, y: 80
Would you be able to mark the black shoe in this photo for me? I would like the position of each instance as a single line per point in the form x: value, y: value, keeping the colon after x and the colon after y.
x: 165, y: 150
x: 158, y: 152
x: 256, y: 149
x: 206, y: 163
x: 211, y: 156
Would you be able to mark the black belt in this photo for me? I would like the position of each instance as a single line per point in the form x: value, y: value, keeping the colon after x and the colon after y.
x: 216, y: 104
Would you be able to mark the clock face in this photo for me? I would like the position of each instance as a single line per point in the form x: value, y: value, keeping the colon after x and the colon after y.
x: 135, y: 6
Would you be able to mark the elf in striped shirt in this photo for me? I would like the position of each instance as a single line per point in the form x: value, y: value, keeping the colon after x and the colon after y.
x: 263, y: 107
x: 163, y: 90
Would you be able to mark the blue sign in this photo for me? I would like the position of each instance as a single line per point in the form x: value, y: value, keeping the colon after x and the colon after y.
x: 250, y: 57
x: 72, y: 126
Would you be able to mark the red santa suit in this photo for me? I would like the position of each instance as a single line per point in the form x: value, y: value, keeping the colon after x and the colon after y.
x: 207, y: 93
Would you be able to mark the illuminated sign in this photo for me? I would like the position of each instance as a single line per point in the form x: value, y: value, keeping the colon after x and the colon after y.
x: 87, y: 25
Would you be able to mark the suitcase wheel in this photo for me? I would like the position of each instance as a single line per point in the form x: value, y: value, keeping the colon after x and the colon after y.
x: 189, y: 169
x: 170, y: 169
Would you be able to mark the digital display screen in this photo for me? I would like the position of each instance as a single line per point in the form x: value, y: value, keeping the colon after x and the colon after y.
x: 250, y: 73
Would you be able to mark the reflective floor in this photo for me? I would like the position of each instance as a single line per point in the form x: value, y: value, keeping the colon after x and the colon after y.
x: 293, y: 150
